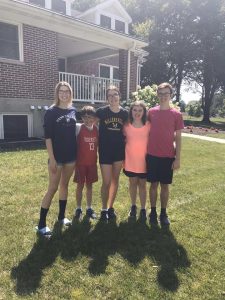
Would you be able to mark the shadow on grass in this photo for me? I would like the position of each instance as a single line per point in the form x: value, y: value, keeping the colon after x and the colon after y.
x: 137, y: 241
x: 132, y: 240
x: 199, y: 123
x: 29, y: 272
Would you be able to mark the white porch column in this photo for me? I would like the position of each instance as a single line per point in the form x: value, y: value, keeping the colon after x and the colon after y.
x: 128, y: 74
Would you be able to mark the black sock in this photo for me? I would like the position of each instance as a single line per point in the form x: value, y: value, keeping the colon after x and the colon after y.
x: 153, y: 210
x: 43, y: 214
x: 62, y: 208
x: 163, y: 211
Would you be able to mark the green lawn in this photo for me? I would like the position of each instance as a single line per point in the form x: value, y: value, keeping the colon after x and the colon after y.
x: 119, y: 260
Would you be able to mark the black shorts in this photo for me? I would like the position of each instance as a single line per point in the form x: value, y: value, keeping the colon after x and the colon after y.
x: 159, y: 169
x: 108, y: 155
x: 132, y: 174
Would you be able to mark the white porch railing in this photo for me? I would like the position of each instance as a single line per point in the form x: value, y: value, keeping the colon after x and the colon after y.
x: 88, y: 88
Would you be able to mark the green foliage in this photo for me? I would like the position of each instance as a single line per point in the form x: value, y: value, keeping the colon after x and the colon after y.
x: 194, y: 109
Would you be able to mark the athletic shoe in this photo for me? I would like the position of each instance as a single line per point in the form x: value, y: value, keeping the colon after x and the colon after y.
x: 104, y: 215
x: 142, y: 215
x: 133, y: 211
x: 111, y: 213
x: 164, y: 220
x: 45, y: 232
x: 65, y: 222
x: 78, y: 213
x: 90, y: 213
x: 153, y: 219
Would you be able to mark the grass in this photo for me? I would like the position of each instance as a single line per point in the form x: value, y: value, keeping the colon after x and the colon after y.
x: 121, y: 260
x: 218, y: 123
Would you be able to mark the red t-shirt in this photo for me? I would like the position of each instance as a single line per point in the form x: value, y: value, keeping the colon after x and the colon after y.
x: 87, y: 144
x: 164, y: 123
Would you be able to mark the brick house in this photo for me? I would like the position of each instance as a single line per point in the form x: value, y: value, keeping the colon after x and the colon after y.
x: 44, y: 41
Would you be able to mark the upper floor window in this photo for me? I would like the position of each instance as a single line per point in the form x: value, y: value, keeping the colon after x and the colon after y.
x: 59, y: 6
x: 119, y: 26
x: 105, y: 21
x: 38, y: 2
x: 9, y: 41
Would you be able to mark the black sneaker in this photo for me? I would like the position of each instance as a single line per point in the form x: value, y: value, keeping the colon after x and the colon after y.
x: 78, y: 213
x: 104, y: 215
x: 133, y: 211
x: 153, y: 219
x: 142, y: 215
x: 164, y: 220
x: 90, y: 213
x: 111, y: 213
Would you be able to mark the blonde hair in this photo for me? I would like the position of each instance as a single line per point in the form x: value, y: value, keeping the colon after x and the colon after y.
x: 58, y: 86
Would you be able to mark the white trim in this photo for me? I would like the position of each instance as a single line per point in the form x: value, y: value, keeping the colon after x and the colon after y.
x: 20, y: 39
x: 111, y: 67
x: 128, y: 74
x: 29, y: 122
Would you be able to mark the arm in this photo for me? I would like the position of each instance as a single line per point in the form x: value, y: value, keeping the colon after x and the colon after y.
x: 176, y: 163
x: 52, y: 161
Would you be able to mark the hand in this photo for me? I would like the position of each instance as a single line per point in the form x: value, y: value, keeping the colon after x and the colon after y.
x: 176, y: 164
x: 53, y: 165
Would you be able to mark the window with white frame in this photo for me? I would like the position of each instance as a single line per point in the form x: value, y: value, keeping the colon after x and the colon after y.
x: 10, y: 39
x: 38, y: 2
x: 59, y: 6
x: 107, y: 71
x: 120, y: 26
x: 105, y: 21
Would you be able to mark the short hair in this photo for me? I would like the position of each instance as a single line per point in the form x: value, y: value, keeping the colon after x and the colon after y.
x: 138, y: 103
x: 165, y: 85
x: 112, y: 88
x: 57, y: 87
x: 88, y: 110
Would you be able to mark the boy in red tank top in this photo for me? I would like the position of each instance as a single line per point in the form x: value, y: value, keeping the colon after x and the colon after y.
x: 86, y: 163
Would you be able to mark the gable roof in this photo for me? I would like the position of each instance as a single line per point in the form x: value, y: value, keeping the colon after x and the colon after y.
x: 104, y: 5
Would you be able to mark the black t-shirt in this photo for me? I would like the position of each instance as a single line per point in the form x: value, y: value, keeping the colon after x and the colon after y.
x: 111, y: 126
x: 60, y: 127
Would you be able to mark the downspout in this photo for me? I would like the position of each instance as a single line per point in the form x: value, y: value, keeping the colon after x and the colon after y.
x: 132, y: 47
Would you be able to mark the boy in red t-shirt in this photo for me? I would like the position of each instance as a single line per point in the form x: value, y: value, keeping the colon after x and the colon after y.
x: 86, y: 163
x: 163, y: 152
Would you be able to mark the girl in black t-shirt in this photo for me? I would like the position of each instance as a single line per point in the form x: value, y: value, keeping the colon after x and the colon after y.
x: 60, y: 138
x: 111, y: 149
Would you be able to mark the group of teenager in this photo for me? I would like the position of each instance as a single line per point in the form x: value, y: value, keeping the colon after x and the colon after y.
x: 146, y: 144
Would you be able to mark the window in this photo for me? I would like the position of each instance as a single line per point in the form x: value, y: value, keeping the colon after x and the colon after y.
x: 59, y: 6
x: 110, y: 72
x: 62, y: 65
x: 38, y: 2
x: 119, y: 26
x: 15, y: 126
x: 9, y: 41
x: 105, y: 21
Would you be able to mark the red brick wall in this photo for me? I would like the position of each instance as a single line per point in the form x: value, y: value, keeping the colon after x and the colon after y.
x: 133, y: 73
x: 36, y: 78
x: 90, y: 67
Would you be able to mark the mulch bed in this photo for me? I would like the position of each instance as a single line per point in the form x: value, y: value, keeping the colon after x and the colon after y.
x: 202, y: 130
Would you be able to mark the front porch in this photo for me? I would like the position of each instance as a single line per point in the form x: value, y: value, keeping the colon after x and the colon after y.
x: 88, y: 88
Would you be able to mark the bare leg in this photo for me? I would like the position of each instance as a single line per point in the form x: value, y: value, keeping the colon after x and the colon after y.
x: 67, y: 171
x: 133, y: 182
x: 153, y: 193
x: 106, y: 171
x: 164, y: 195
x: 89, y: 194
x: 79, y: 193
x: 54, y: 179
x: 142, y: 192
x: 116, y: 168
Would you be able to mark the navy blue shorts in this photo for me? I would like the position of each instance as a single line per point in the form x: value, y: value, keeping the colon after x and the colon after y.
x: 109, y: 155
x: 159, y: 169
x: 132, y: 174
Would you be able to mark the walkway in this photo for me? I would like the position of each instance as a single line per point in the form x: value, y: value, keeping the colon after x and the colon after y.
x: 206, y: 138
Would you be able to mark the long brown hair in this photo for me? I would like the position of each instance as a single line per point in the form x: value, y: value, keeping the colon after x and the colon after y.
x: 138, y: 103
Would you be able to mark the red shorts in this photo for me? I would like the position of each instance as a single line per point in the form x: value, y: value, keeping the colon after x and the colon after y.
x: 85, y: 174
